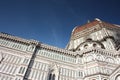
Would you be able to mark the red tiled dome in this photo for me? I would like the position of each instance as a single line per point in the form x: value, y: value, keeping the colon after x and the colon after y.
x: 88, y: 25
x: 93, y: 23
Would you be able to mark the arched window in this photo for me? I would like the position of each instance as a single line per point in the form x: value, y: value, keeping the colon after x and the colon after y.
x: 85, y: 46
x: 89, y: 39
x: 94, y: 45
x: 51, y: 77
x: 90, y: 58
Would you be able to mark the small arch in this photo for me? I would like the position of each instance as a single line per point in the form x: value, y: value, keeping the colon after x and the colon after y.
x: 85, y: 46
x: 110, y: 59
x: 89, y: 58
x: 94, y: 45
x: 99, y: 57
x: 89, y: 39
x: 112, y: 38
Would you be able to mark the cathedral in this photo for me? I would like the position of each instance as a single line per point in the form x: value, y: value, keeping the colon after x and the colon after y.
x: 92, y: 53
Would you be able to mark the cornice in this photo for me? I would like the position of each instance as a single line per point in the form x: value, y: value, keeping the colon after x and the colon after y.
x: 19, y: 52
x: 113, y: 53
x: 59, y: 50
x: 17, y: 39
x: 56, y: 61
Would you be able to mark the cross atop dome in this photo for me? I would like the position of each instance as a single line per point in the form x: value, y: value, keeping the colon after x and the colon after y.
x: 97, y: 19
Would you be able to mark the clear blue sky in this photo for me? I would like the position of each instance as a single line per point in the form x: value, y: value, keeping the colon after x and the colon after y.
x: 51, y: 21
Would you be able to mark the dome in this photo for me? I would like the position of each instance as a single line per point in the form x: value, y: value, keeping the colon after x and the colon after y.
x: 83, y: 27
x: 92, y: 24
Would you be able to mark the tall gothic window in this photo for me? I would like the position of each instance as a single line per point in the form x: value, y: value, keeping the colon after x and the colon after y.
x: 52, y: 77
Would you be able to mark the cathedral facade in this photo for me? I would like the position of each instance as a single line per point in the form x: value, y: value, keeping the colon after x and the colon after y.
x: 92, y: 53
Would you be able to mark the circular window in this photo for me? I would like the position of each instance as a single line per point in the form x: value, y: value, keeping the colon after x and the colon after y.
x: 118, y: 77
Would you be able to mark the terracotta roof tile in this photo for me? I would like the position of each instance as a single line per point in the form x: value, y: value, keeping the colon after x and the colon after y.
x: 93, y: 23
x: 88, y: 25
